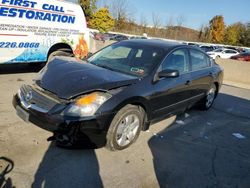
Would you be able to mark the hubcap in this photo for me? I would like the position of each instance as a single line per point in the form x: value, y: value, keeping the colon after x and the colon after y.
x: 127, y: 129
x: 210, y: 97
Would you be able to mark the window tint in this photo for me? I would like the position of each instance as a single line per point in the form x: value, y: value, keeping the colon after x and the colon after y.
x: 178, y: 60
x: 145, y: 57
x: 134, y: 60
x: 118, y: 53
x: 139, y: 53
x: 230, y: 52
x: 218, y: 50
x: 207, y: 48
x: 199, y: 60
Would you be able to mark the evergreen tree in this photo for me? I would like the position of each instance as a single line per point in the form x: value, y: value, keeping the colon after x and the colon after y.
x: 102, y: 20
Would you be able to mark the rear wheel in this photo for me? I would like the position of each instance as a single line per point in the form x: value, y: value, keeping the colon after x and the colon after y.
x: 125, y: 128
x: 208, y: 101
x: 59, y: 53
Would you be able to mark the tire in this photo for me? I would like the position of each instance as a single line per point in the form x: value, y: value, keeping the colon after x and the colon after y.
x: 208, y: 100
x: 217, y: 57
x: 59, y: 53
x: 120, y: 128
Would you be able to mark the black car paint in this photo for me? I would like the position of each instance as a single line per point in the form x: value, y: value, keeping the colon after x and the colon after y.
x: 70, y: 81
x: 163, y: 97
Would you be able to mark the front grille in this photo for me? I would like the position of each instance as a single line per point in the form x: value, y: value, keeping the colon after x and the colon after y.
x: 31, y: 98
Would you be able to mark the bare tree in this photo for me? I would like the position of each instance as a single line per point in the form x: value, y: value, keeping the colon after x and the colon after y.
x: 143, y: 20
x: 170, y: 22
x: 143, y: 23
x: 119, y: 8
x: 180, y: 20
x: 169, y: 27
x: 201, y: 32
x: 156, y: 20
x: 204, y: 33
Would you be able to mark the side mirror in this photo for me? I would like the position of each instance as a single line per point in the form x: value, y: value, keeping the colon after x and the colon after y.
x: 168, y: 73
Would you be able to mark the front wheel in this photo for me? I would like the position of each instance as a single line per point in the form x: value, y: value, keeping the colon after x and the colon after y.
x: 208, y: 101
x: 125, y: 128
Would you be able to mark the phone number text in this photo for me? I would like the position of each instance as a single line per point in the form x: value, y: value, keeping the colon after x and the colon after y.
x: 19, y: 45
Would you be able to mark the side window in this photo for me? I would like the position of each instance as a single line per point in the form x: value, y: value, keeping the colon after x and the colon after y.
x: 230, y: 52
x: 233, y: 52
x: 139, y: 53
x: 178, y: 60
x: 199, y: 60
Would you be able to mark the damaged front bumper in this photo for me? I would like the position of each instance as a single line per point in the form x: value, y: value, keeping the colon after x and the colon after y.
x: 90, y: 131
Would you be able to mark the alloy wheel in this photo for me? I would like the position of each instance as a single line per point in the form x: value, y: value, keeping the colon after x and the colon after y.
x: 127, y: 129
x: 210, y: 97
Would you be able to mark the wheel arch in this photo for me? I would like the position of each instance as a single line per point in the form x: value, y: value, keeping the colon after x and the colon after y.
x: 60, y: 46
x: 143, y: 105
x: 217, y: 88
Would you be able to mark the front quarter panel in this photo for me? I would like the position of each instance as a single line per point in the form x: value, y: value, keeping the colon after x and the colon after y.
x: 133, y: 94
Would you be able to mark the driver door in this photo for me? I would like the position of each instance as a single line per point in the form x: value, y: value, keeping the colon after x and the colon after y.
x: 172, y: 94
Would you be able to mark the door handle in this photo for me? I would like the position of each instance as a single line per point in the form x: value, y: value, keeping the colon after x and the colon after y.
x: 188, y: 82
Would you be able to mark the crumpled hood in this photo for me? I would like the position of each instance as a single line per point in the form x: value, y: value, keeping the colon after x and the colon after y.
x: 68, y: 78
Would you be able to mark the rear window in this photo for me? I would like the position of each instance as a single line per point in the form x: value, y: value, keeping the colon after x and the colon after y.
x: 199, y: 60
x: 230, y: 52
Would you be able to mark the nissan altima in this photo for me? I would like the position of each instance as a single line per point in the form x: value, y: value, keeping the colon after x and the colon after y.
x: 109, y: 98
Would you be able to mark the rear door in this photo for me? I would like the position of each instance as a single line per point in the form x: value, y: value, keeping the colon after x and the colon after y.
x: 172, y: 94
x: 201, y: 74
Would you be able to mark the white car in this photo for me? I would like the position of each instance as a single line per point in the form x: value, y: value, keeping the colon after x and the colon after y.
x: 222, y: 53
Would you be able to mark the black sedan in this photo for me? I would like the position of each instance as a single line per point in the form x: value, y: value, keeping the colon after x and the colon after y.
x: 118, y: 92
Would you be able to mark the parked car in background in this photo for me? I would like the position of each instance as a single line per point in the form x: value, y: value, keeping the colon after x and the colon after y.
x: 243, y: 50
x: 118, y: 92
x: 206, y: 48
x: 242, y: 57
x: 109, y: 36
x: 138, y: 37
x: 222, y: 53
x: 232, y: 48
x: 192, y: 44
x: 101, y: 36
x: 119, y: 38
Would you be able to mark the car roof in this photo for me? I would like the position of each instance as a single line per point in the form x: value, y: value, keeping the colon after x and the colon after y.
x: 227, y: 49
x: 153, y: 43
x: 167, y: 46
x: 206, y: 46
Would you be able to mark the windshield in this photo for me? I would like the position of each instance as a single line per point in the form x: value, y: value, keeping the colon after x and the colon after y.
x: 136, y: 60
